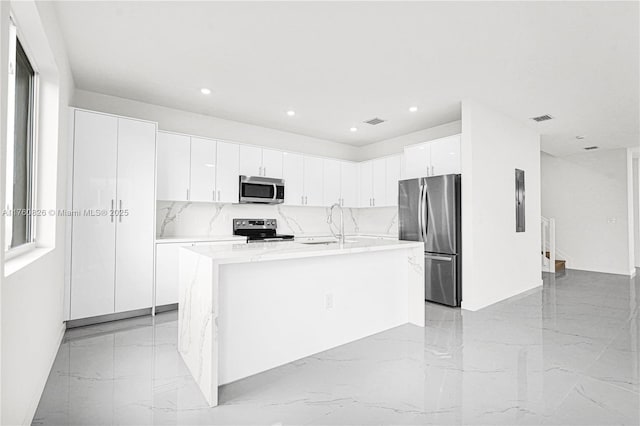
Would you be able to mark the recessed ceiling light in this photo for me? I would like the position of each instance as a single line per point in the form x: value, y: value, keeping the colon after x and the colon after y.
x: 291, y: 113
x: 205, y: 91
x: 354, y: 129
x: 580, y: 137
x: 413, y: 108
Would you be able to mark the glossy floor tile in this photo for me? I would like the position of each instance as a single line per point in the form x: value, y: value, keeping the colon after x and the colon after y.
x: 565, y: 354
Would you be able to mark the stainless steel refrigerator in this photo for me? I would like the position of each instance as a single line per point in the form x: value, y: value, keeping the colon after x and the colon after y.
x: 429, y: 211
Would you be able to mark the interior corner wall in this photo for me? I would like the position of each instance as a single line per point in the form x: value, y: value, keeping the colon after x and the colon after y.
x: 4, y: 67
x: 587, y: 195
x: 636, y: 210
x: 32, y: 297
x: 180, y: 121
x: 497, y: 261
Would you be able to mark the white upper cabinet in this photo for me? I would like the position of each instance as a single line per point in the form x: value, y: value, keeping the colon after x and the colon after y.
x: 349, y: 183
x: 365, y: 184
x: 394, y: 166
x: 437, y: 157
x: 250, y: 160
x: 293, y: 175
x: 203, y: 170
x: 255, y: 161
x: 313, y: 181
x: 272, y: 163
x: 417, y: 161
x: 332, y: 180
x: 173, y: 166
x: 379, y: 182
x: 227, y: 172
x: 445, y: 156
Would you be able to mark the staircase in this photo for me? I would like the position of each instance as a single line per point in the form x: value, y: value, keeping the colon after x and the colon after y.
x: 548, y: 253
x: 560, y: 264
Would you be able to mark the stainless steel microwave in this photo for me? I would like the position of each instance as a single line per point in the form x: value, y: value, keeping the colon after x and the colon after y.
x: 257, y: 189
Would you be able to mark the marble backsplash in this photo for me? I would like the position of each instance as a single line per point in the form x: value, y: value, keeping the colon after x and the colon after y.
x: 186, y: 219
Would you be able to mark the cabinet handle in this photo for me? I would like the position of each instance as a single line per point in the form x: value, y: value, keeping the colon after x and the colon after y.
x: 432, y: 170
x: 264, y: 171
x: 112, y: 201
x: 213, y: 195
x: 187, y: 194
x: 120, y: 212
x: 306, y: 200
x: 219, y: 197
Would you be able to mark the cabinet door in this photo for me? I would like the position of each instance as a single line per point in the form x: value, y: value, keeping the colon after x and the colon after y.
x: 313, y: 181
x: 331, y: 187
x: 445, y: 155
x: 134, y: 223
x: 227, y: 172
x: 293, y: 175
x: 203, y: 170
x: 417, y: 161
x: 365, y: 184
x: 167, y: 273
x: 379, y: 167
x: 349, y: 183
x: 272, y: 163
x: 93, y: 237
x: 173, y: 166
x: 250, y: 160
x: 393, y: 165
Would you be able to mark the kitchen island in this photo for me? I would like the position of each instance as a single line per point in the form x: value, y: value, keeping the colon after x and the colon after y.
x: 247, y: 308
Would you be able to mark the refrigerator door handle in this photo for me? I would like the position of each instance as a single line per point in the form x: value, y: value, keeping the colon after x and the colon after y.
x: 446, y: 259
x: 424, y: 197
x: 420, y: 215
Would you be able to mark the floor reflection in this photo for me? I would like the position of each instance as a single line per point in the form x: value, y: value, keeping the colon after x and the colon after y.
x: 566, y: 354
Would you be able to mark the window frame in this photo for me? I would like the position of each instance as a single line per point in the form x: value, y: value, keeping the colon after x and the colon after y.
x: 32, y: 149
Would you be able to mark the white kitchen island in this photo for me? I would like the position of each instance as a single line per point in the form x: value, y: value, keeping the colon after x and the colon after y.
x: 247, y: 308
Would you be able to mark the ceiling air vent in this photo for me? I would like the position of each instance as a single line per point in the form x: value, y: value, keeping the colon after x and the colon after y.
x: 375, y: 121
x: 542, y: 118
x: 590, y: 148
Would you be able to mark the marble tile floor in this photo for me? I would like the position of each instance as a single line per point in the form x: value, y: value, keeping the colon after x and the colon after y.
x: 567, y: 354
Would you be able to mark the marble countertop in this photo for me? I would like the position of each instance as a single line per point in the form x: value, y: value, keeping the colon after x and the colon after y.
x: 260, y: 252
x: 214, y: 238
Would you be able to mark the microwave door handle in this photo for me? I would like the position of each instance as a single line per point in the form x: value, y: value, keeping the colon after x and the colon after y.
x: 275, y: 191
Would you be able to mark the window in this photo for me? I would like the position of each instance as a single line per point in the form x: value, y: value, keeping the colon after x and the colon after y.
x: 20, y: 167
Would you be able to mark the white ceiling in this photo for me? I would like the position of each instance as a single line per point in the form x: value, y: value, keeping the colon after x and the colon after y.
x: 338, y: 64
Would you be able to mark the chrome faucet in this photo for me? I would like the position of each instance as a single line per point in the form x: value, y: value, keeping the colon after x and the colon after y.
x: 341, y: 238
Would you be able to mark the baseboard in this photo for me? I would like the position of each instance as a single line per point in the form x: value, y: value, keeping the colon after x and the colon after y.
x: 512, y: 298
x: 599, y: 271
x: 108, y: 318
x: 52, y: 358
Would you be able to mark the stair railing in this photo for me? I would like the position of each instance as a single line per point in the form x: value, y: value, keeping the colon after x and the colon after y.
x: 548, y: 230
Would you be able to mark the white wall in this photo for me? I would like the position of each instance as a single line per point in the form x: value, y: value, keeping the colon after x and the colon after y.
x: 396, y: 145
x: 636, y: 209
x: 32, y: 298
x: 497, y: 262
x: 217, y: 128
x: 4, y: 57
x: 587, y: 194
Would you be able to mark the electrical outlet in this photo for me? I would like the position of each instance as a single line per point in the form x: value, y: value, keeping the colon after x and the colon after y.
x: 328, y: 301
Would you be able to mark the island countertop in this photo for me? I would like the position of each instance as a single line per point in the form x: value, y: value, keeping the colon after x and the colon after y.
x: 281, y: 250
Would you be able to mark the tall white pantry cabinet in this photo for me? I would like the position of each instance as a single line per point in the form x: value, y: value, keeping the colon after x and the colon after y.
x: 112, y: 250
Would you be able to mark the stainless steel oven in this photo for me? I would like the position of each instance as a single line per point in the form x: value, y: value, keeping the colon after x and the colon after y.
x: 257, y: 189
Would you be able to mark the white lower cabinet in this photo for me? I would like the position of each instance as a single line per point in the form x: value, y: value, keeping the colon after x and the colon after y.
x: 167, y: 263
x: 112, y: 250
